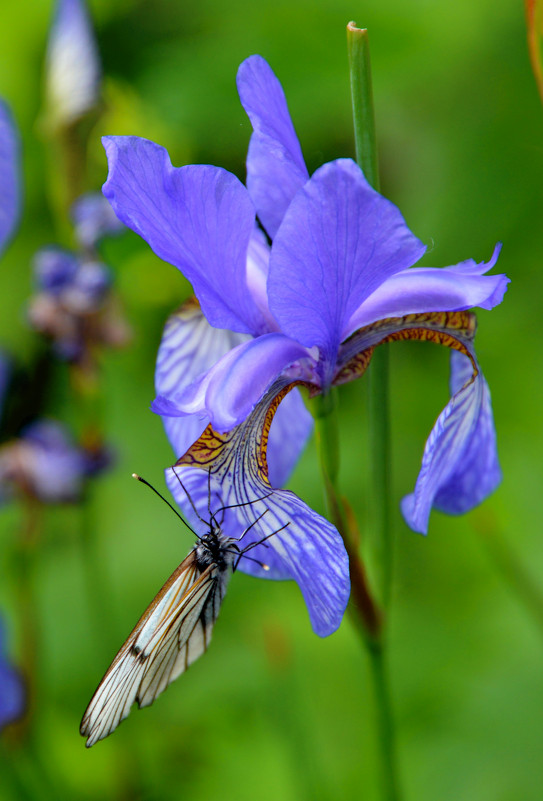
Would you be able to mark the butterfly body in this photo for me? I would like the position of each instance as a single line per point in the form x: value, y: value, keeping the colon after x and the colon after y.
x: 173, y: 631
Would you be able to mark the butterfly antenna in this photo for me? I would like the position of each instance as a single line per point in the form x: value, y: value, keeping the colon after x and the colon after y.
x: 263, y: 565
x: 174, y: 510
x: 262, y: 541
x: 245, y: 503
x: 249, y: 527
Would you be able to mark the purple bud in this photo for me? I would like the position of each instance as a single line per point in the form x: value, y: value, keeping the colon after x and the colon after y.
x: 93, y: 219
x: 54, y: 269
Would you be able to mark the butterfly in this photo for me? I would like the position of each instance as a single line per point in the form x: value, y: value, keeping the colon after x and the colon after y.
x: 174, y: 630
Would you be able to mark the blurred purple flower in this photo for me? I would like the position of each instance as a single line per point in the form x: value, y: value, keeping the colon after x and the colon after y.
x: 43, y: 463
x: 337, y: 281
x: 93, y: 218
x: 12, y: 693
x: 72, y: 64
x: 73, y: 305
x: 9, y: 176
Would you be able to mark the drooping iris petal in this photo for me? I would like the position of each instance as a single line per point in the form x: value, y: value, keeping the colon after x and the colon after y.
x: 420, y: 290
x: 73, y: 66
x: 9, y: 176
x: 301, y: 544
x: 275, y: 164
x: 339, y: 241
x: 229, y: 391
x: 460, y: 464
x: 198, y: 218
x: 12, y: 694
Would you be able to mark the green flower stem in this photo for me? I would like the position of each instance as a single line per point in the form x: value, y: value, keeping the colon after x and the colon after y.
x: 385, y: 722
x: 366, y: 156
x: 362, y: 608
x: 365, y: 141
x: 381, y: 539
x: 364, y: 613
x: 381, y: 543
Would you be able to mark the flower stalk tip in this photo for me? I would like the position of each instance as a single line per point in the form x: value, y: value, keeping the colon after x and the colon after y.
x: 362, y: 102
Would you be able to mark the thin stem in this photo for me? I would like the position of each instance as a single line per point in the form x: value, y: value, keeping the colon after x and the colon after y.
x: 362, y: 608
x: 379, y: 445
x: 366, y: 156
x: 365, y: 140
x: 385, y: 722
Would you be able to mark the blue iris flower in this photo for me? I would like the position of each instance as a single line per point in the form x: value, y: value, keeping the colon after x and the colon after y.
x: 10, y: 195
x: 12, y: 693
x: 337, y: 281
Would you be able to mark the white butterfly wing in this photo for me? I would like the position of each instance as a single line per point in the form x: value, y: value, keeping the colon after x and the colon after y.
x: 173, y: 631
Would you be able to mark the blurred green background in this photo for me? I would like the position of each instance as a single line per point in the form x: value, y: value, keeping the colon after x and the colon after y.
x: 272, y: 711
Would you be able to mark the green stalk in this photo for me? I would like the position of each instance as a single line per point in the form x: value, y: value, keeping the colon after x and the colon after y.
x: 385, y: 722
x: 381, y: 539
x: 365, y: 141
x: 364, y: 613
x: 366, y: 156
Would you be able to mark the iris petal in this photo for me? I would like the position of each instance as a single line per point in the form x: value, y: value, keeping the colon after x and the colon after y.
x: 427, y: 289
x: 275, y: 165
x: 12, y: 693
x: 460, y: 464
x: 338, y: 242
x: 199, y: 218
x: 9, y: 176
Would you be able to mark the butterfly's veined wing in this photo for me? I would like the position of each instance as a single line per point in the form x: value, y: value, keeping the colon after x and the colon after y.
x: 172, y: 632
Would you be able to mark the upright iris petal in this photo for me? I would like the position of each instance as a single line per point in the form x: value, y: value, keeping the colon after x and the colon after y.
x: 275, y: 164
x: 199, y: 218
x: 339, y: 241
